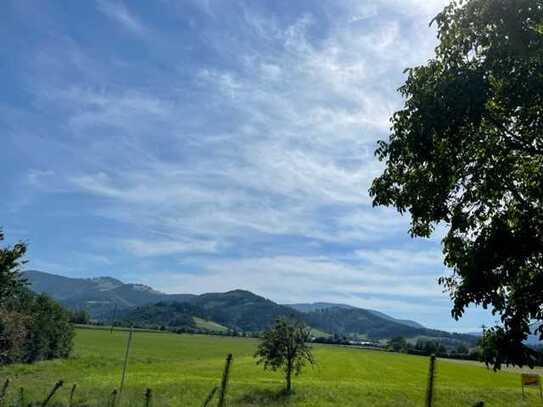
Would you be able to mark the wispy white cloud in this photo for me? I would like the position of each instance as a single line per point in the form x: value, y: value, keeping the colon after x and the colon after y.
x: 420, y: 8
x: 35, y: 176
x: 297, y: 158
x: 247, y: 147
x: 305, y: 124
x: 147, y: 248
x: 117, y: 11
x: 290, y: 279
x: 407, y: 261
x: 233, y: 205
x: 295, y: 147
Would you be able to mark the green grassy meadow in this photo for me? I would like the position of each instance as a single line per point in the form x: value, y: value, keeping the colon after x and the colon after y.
x: 209, y: 325
x: 181, y: 370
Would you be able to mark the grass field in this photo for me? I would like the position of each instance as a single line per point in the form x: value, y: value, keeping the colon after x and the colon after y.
x: 181, y: 369
x: 209, y: 325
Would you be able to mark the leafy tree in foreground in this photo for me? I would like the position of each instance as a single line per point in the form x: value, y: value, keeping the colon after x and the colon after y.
x: 285, y: 347
x: 51, y: 333
x: 13, y: 324
x: 466, y: 152
x: 11, y: 261
x: 32, y: 327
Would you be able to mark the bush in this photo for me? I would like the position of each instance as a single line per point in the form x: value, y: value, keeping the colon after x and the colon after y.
x: 51, y: 332
x: 13, y: 333
x: 32, y: 327
x: 397, y: 344
x: 80, y: 316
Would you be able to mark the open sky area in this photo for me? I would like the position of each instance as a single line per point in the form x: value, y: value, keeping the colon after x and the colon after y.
x: 204, y: 145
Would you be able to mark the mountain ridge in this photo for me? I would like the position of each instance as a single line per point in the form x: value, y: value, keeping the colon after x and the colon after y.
x: 317, y: 306
x: 238, y: 309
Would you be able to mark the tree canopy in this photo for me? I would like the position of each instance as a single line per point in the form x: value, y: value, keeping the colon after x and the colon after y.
x: 285, y: 347
x: 32, y: 327
x: 466, y: 152
x: 11, y: 261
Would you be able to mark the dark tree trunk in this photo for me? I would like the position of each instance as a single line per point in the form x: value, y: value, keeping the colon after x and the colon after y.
x: 289, y: 381
x: 289, y: 376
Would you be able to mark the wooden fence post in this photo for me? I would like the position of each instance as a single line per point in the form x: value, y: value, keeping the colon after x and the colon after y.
x: 125, y: 365
x: 148, y: 397
x: 113, y: 398
x: 55, y: 388
x: 113, y: 319
x: 431, y: 376
x: 224, y: 382
x: 4, y: 392
x: 210, y: 396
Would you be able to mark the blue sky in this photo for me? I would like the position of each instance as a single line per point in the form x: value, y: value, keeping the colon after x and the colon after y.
x: 205, y: 145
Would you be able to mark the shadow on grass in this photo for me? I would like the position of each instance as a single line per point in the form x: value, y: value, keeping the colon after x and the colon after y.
x: 265, y: 397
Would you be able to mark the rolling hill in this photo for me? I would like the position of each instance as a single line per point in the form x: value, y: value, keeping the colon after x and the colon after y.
x: 97, y: 295
x: 318, y: 306
x: 163, y: 314
x: 238, y: 310
x: 242, y: 310
x: 362, y: 322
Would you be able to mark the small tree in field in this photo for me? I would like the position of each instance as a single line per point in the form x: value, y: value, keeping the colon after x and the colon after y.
x: 285, y: 347
x: 397, y: 344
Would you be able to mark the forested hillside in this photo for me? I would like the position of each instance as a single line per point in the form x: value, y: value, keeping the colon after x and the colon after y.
x: 238, y: 310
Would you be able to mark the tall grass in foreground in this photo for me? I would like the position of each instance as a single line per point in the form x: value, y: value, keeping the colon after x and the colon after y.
x: 182, y: 370
x: 114, y: 399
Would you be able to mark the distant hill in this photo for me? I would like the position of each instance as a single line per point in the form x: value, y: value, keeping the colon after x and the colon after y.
x: 162, y: 314
x: 242, y: 310
x: 106, y: 283
x: 532, y: 339
x: 238, y: 309
x: 407, y: 322
x: 63, y: 288
x: 356, y: 321
x: 97, y: 295
x: 318, y: 306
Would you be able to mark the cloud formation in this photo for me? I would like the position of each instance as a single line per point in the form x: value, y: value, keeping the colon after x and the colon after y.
x: 203, y: 146
x: 118, y: 12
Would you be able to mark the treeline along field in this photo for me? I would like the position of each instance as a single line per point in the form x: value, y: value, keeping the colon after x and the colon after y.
x: 182, y: 369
